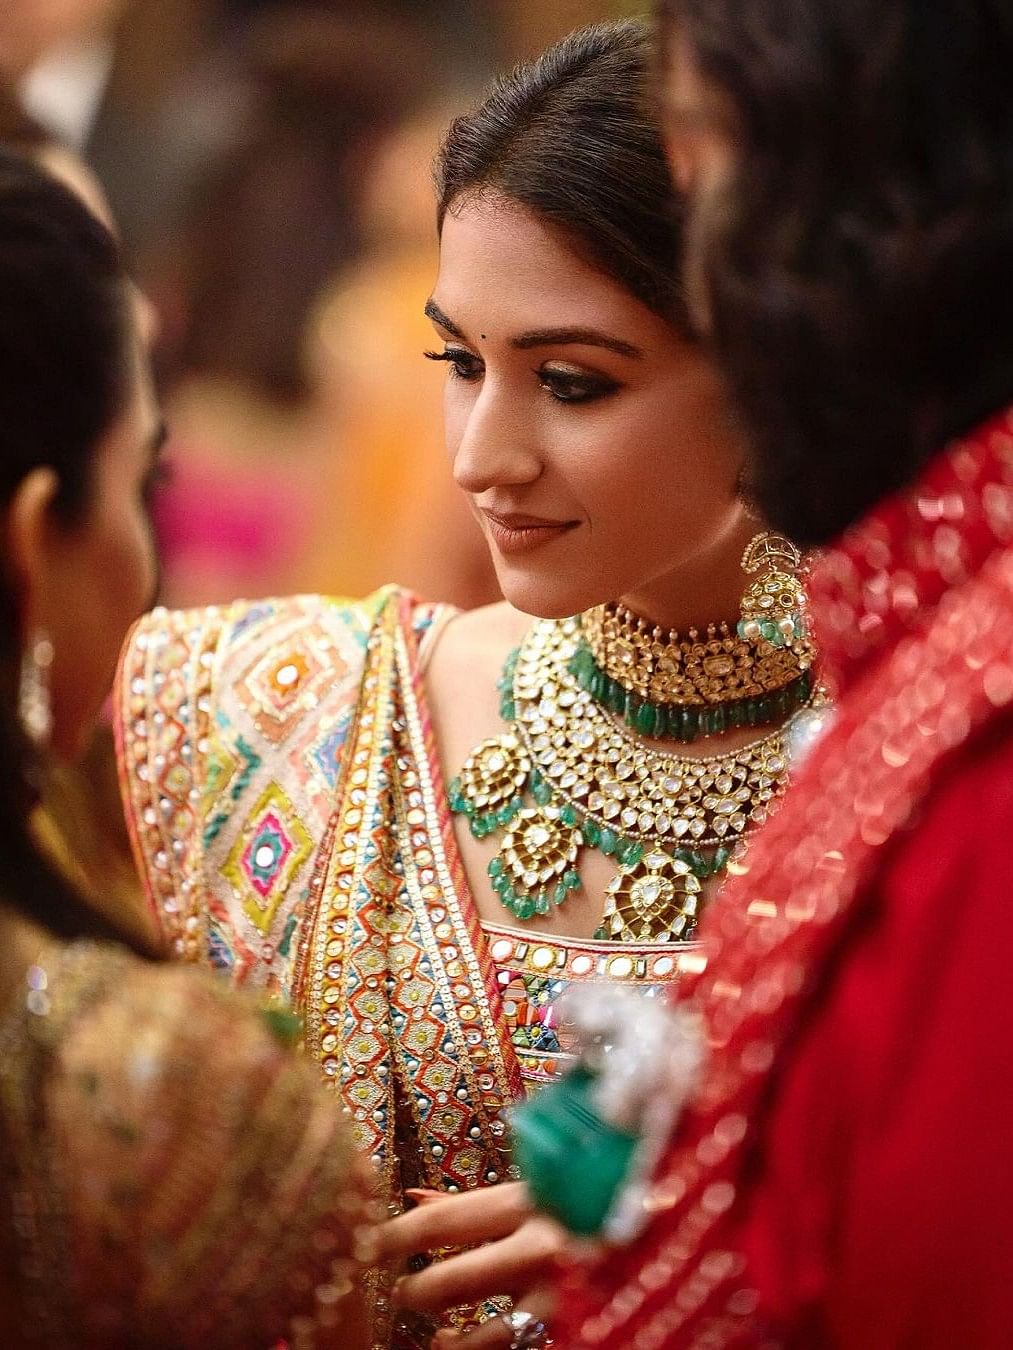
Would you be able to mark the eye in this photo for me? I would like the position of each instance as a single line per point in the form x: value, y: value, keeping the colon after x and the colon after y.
x: 574, y: 386
x: 463, y: 365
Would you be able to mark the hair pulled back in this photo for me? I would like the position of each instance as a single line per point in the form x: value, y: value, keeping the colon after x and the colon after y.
x: 573, y: 137
x: 63, y: 381
x: 860, y: 268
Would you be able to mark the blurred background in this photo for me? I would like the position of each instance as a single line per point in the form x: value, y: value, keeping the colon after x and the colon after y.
x: 267, y: 164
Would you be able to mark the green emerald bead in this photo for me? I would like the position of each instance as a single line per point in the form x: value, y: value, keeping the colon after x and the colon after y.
x: 660, y: 722
x: 643, y: 719
x: 571, y: 880
x: 495, y: 868
x: 609, y: 841
x: 542, y: 903
x: 501, y: 885
x: 560, y: 893
x: 718, y: 720
x: 541, y: 791
x: 568, y: 814
x: 505, y: 815
x: 769, y: 631
x: 508, y: 710
x: 629, y: 852
x: 524, y: 907
x: 691, y: 724
x: 591, y: 831
x: 721, y: 856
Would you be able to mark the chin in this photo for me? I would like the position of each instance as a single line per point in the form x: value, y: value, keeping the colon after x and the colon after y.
x: 547, y: 596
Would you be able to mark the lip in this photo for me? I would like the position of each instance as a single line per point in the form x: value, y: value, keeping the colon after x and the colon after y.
x: 513, y: 533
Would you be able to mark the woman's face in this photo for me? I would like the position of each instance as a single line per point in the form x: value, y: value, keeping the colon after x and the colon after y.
x: 591, y: 438
x: 100, y: 573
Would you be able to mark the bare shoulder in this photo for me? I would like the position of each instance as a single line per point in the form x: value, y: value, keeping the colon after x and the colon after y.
x: 464, y: 671
x: 479, y: 640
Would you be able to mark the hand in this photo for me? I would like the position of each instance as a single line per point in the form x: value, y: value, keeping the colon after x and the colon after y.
x: 518, y: 1252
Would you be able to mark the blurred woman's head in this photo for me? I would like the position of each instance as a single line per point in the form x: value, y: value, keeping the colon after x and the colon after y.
x: 583, y: 419
x: 79, y: 435
x: 851, y: 168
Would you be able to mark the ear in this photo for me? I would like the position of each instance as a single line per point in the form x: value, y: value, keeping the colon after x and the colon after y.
x: 29, y: 544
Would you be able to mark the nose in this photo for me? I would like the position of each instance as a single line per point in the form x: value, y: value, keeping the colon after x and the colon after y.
x: 495, y: 448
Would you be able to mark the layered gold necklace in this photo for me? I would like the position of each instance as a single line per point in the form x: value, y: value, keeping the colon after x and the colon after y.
x: 568, y: 775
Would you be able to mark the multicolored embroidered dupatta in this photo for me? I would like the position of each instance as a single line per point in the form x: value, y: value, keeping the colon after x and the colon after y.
x: 287, y: 809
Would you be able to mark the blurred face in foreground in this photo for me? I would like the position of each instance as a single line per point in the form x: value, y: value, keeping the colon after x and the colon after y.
x: 590, y: 436
x: 83, y: 581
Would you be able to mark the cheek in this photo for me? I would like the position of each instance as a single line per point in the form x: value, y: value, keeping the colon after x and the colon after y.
x: 112, y: 584
x: 663, y: 467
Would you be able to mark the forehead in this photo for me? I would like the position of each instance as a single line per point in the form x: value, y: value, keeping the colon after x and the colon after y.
x: 501, y: 266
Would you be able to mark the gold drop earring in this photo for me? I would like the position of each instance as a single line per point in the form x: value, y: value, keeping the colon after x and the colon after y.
x: 35, y: 705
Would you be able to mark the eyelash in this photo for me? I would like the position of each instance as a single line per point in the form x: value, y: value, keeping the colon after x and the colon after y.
x: 590, y: 387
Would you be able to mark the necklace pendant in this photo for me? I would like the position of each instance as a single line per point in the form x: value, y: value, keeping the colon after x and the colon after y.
x: 490, y: 787
x: 534, y: 869
x: 655, y: 899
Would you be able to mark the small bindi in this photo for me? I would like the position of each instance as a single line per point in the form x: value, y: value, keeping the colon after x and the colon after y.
x: 482, y: 336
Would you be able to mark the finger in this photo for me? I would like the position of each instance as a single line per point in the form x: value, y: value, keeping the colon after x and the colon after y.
x: 456, y: 1221
x: 504, y: 1267
x: 494, y: 1334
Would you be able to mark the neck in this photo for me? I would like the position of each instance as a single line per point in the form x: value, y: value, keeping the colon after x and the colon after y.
x: 706, y: 589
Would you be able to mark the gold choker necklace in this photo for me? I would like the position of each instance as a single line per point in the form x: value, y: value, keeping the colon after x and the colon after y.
x: 667, y: 685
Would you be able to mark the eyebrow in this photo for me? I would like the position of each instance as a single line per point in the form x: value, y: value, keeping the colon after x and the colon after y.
x: 546, y: 337
x: 433, y: 311
x: 575, y: 337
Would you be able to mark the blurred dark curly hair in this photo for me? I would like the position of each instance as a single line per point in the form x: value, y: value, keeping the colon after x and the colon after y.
x: 860, y: 265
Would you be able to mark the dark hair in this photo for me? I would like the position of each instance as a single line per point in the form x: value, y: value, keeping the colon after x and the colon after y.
x: 573, y: 137
x: 63, y: 380
x: 860, y: 264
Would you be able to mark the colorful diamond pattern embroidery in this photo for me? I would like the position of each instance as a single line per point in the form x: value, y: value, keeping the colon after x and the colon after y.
x: 283, y: 685
x: 267, y: 856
